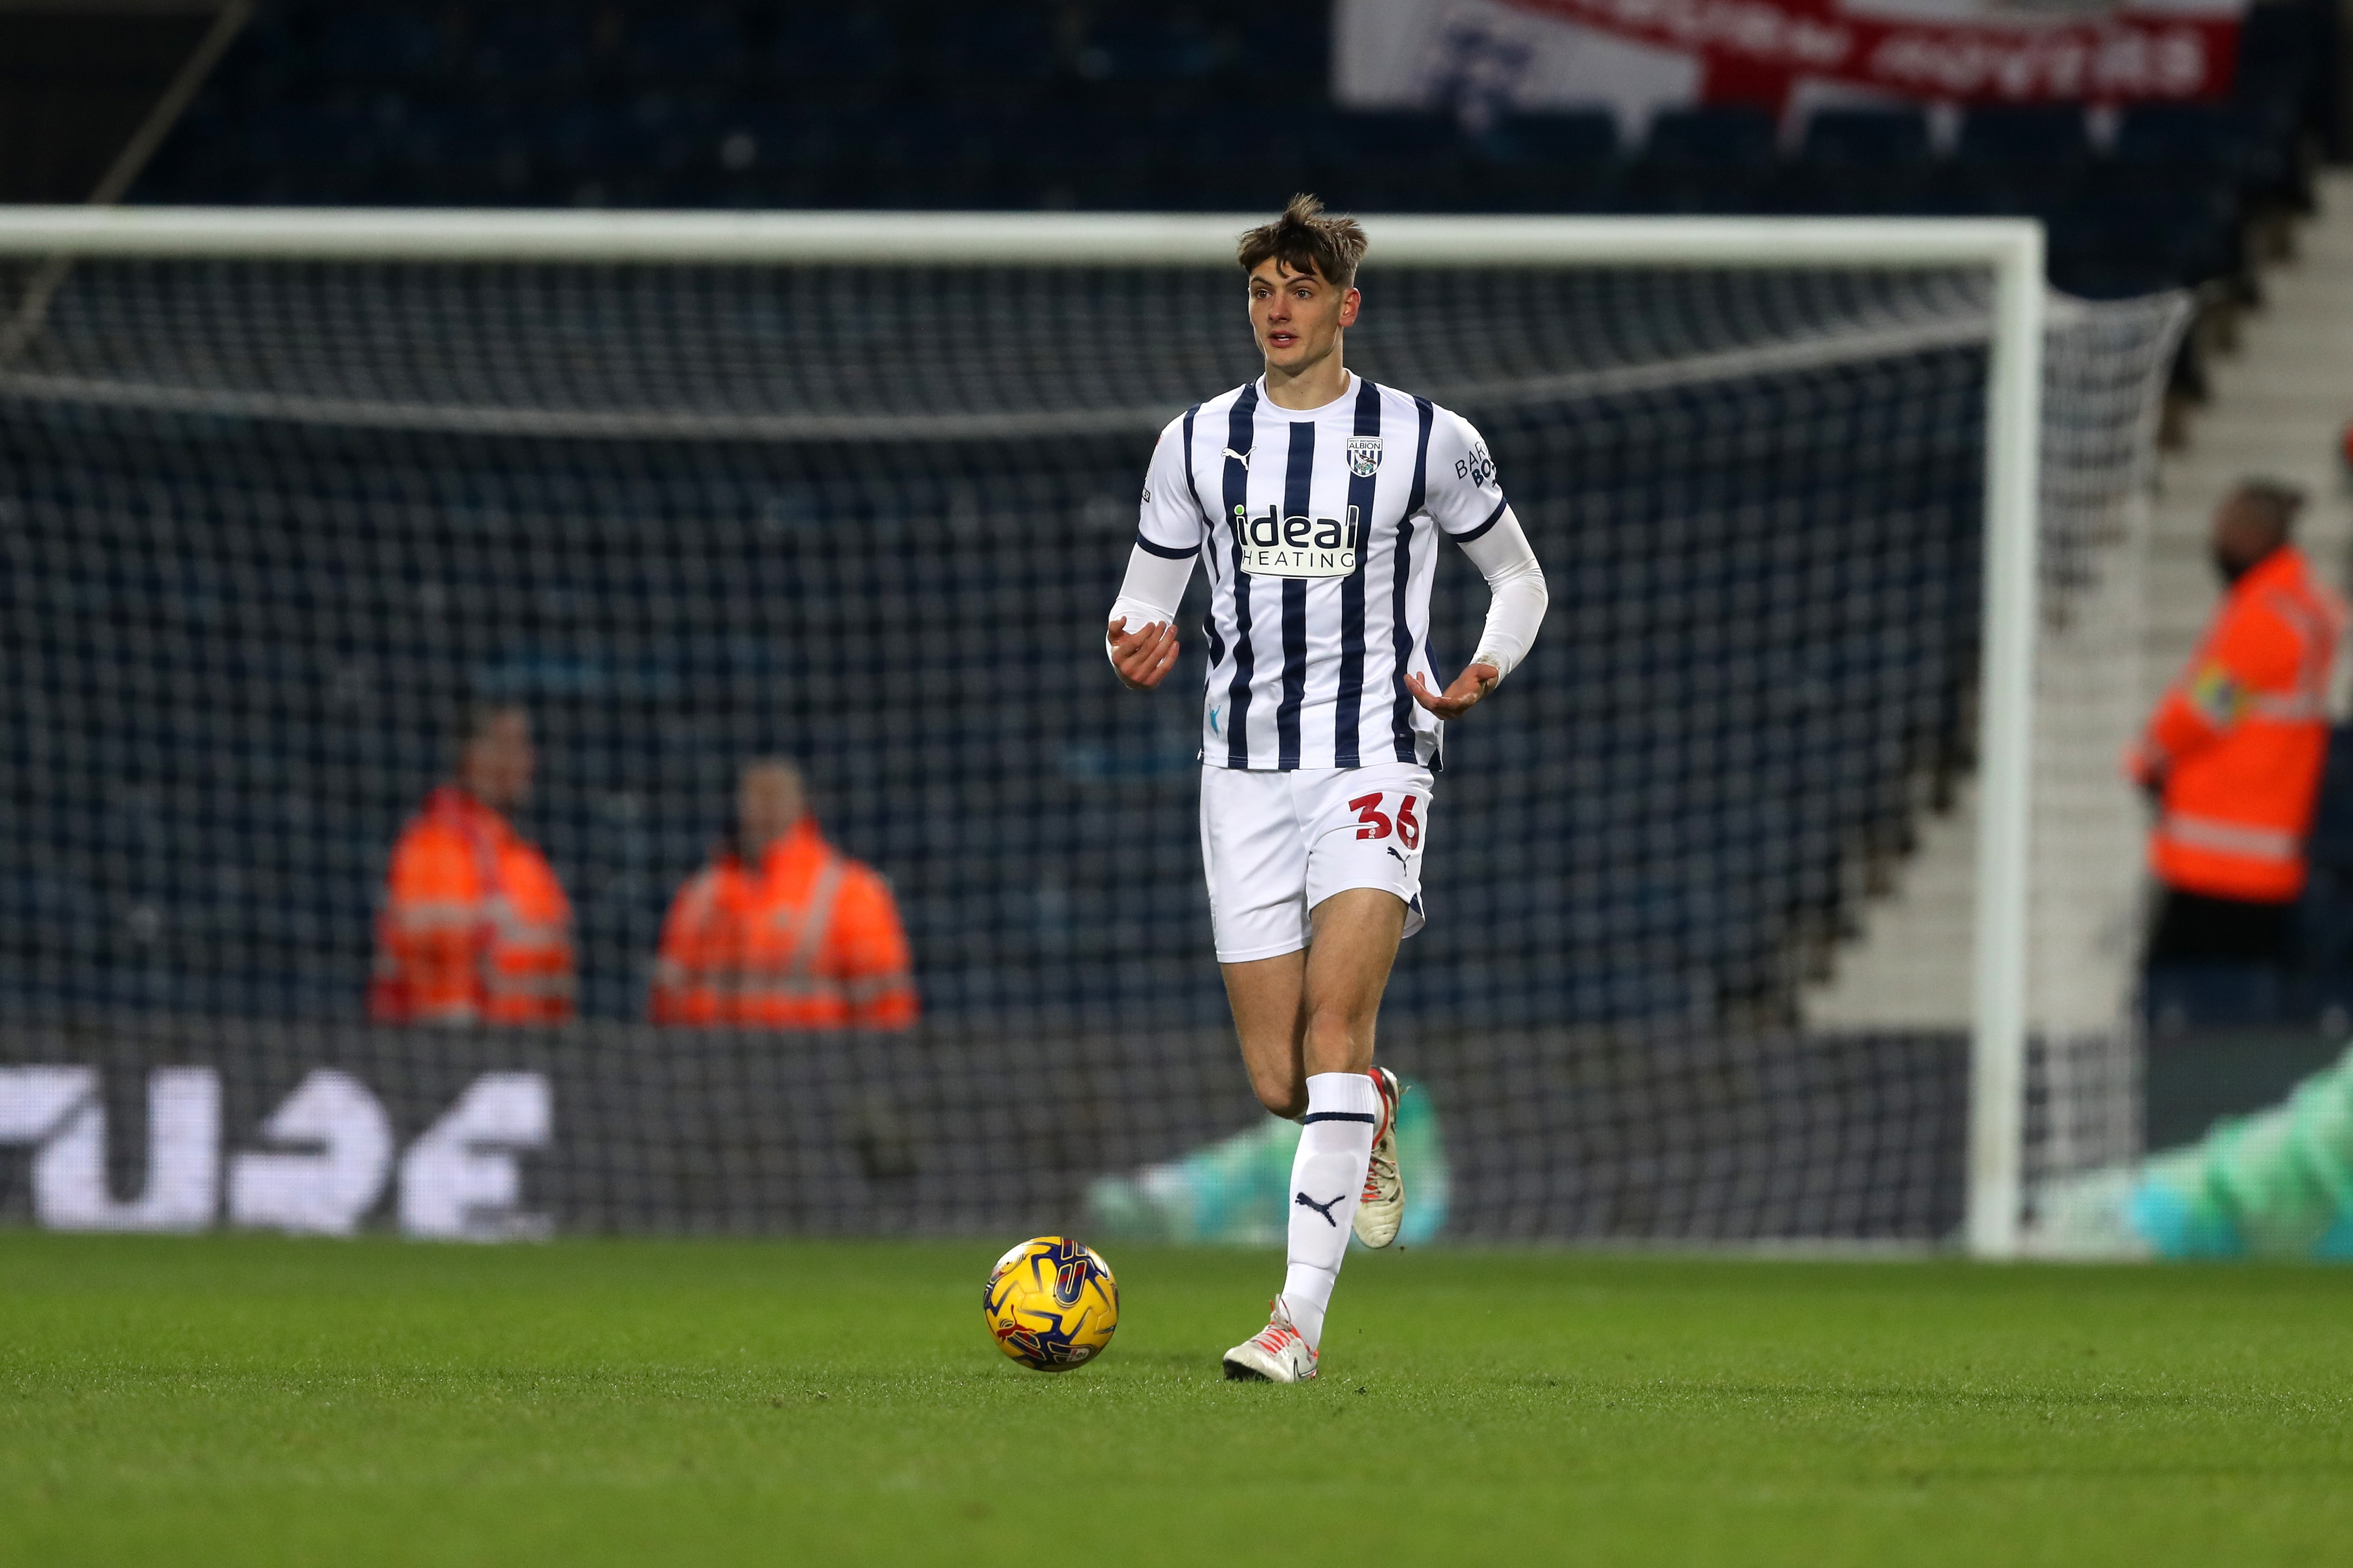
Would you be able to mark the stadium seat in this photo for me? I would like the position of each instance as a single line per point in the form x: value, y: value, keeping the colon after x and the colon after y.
x: 2280, y: 151
x: 1087, y: 158
x: 1718, y: 159
x: 307, y: 138
x: 374, y: 46
x: 696, y: 50
x: 471, y: 154
x: 2190, y: 140
x: 816, y: 50
x: 2325, y: 913
x: 2282, y: 51
x: 1397, y: 162
x: 557, y: 109
x: 937, y: 157
x: 2180, y: 998
x: 789, y: 155
x: 2124, y: 234
x: 2014, y: 159
x: 989, y: 48
x: 1149, y: 46
x: 638, y: 153
x: 1562, y: 162
x: 2024, y: 136
x: 532, y: 50
x: 1860, y: 161
x: 1224, y: 163
x: 1270, y: 33
x: 1867, y: 138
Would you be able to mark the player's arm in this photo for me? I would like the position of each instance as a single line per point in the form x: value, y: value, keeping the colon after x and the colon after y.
x: 1467, y: 501
x: 1141, y: 640
x: 2252, y: 654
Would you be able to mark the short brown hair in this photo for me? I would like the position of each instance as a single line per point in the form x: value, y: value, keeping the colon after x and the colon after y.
x: 2274, y: 502
x: 473, y: 719
x: 1304, y: 240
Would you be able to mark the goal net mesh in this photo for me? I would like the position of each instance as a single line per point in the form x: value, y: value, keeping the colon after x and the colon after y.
x: 269, y: 527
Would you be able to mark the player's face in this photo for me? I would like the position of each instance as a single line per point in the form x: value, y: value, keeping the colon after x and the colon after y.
x: 1297, y: 316
x: 767, y: 803
x: 499, y: 763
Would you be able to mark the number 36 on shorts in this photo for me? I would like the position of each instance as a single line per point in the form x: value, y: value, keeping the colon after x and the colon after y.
x: 1381, y: 819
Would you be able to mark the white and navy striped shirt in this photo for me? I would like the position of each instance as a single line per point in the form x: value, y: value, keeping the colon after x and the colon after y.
x: 1320, y: 530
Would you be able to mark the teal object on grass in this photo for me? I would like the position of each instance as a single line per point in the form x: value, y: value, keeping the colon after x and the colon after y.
x: 1235, y: 1192
x: 2278, y: 1184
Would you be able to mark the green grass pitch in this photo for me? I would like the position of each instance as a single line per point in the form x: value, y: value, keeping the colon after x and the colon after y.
x: 260, y: 1401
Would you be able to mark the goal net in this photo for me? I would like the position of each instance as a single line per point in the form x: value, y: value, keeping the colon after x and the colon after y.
x: 1702, y: 938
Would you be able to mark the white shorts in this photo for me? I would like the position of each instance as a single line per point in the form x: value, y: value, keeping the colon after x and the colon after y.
x: 1275, y: 845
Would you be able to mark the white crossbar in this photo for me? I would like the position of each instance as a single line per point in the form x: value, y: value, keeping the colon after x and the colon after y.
x: 2012, y: 249
x: 1144, y: 240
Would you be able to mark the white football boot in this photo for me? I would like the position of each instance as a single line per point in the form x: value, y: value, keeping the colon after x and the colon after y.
x: 1382, y: 1209
x: 1274, y: 1354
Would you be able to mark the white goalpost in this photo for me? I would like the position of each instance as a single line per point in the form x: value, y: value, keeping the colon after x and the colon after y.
x: 170, y: 337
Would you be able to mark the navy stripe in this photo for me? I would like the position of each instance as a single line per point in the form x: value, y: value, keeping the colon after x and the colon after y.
x: 1298, y: 500
x: 1164, y: 551
x: 1361, y: 488
x: 1494, y: 518
x: 1207, y: 525
x: 1315, y: 1116
x: 1401, y: 633
x: 1438, y: 753
x: 1239, y: 438
x: 1217, y: 644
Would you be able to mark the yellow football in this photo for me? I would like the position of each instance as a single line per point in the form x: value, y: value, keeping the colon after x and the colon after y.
x: 1052, y: 1303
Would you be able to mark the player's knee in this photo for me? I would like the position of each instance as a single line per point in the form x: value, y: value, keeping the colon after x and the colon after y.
x: 1335, y: 1037
x: 1285, y: 1096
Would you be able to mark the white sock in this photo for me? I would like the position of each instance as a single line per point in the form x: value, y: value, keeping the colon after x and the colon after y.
x: 1327, y: 1177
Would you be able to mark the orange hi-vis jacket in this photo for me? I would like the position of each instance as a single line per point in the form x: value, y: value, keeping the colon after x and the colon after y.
x: 809, y: 939
x: 474, y: 928
x: 2239, y: 740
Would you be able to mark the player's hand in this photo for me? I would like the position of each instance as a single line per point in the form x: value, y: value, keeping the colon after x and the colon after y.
x: 1143, y: 657
x: 1474, y: 682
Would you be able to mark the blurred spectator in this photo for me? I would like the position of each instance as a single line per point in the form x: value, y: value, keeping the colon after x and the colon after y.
x: 781, y: 930
x: 2233, y: 753
x: 474, y: 928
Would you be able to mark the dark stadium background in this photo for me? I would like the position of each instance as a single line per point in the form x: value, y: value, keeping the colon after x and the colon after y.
x: 1102, y: 106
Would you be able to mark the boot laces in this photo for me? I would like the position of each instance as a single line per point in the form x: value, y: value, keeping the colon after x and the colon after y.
x: 1380, y: 1178
x: 1278, y: 1331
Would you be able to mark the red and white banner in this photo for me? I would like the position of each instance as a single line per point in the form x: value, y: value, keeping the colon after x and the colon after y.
x: 1645, y: 54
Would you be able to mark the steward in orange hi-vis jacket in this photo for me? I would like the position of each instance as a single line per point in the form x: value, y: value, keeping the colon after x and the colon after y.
x: 474, y: 928
x: 2235, y: 748
x: 786, y: 933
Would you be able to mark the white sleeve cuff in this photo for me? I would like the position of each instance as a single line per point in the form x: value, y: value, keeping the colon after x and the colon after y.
x: 1154, y: 588
x: 1516, y: 580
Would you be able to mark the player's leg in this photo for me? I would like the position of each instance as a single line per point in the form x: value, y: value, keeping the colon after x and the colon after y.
x: 1354, y: 943
x: 1313, y: 1011
x: 1372, y: 827
x: 1355, y: 940
x: 1308, y: 1028
x: 1267, y: 995
x: 1356, y: 932
x: 1352, y: 946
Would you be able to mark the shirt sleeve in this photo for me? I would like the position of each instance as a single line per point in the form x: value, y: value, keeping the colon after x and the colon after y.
x: 1168, y: 524
x: 1462, y: 492
x: 868, y: 954
x: 679, y: 963
x: 1167, y: 540
x: 1503, y: 557
x: 432, y: 920
x: 2251, y: 655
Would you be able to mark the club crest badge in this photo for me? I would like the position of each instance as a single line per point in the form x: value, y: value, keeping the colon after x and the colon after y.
x: 1364, y: 455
